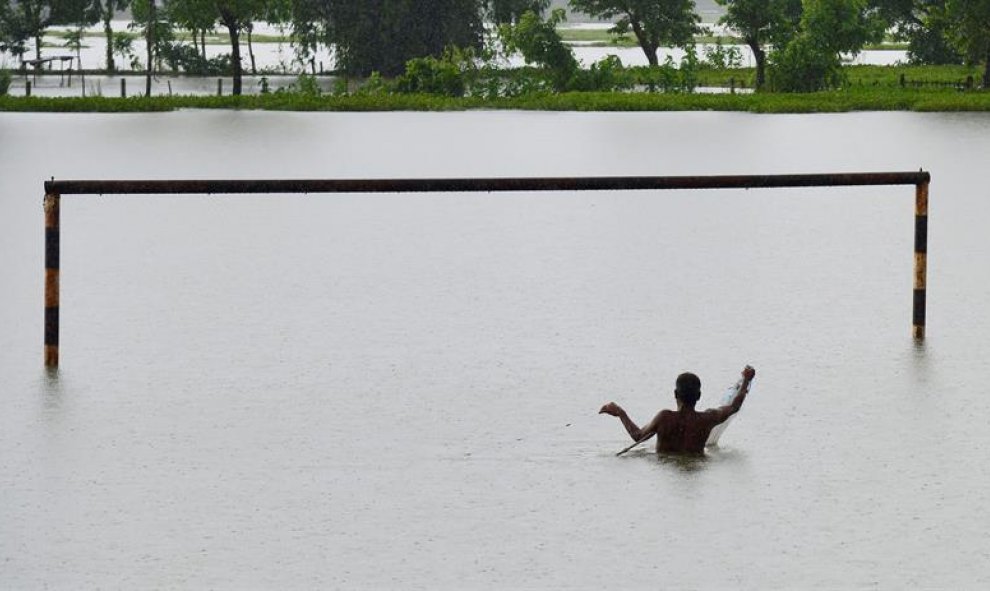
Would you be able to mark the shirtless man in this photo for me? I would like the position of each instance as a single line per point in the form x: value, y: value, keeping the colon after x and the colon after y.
x: 683, y: 430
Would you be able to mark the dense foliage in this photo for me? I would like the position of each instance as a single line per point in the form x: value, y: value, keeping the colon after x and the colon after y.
x: 445, y: 47
x: 655, y: 23
x: 382, y: 35
x: 760, y: 23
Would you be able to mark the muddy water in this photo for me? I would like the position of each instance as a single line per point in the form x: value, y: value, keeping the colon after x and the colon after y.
x: 367, y: 391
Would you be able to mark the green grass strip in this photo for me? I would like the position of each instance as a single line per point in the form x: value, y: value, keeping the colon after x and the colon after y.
x: 853, y: 99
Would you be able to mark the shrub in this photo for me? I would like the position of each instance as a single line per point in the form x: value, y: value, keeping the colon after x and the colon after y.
x: 606, y: 74
x: 5, y: 79
x: 308, y: 85
x: 186, y: 58
x: 539, y: 43
x: 803, y: 66
x: 429, y: 75
x: 722, y: 57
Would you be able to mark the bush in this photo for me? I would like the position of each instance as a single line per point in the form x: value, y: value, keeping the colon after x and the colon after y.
x: 607, y: 74
x: 803, y: 66
x: 186, y: 58
x: 722, y: 57
x: 375, y: 85
x: 668, y: 77
x: 5, y: 79
x: 539, y: 43
x: 429, y: 75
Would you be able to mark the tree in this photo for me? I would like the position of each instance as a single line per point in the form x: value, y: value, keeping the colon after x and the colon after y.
x: 925, y: 26
x: 104, y: 10
x: 24, y: 20
x: 970, y: 26
x: 234, y: 15
x: 152, y: 19
x: 13, y: 34
x: 655, y: 23
x: 196, y: 16
x: 841, y: 26
x: 278, y: 13
x: 539, y: 43
x: 762, y: 22
x: 811, y: 61
x: 510, y: 11
x: 382, y: 35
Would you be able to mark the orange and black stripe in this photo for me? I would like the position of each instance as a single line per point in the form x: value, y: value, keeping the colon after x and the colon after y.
x: 920, y: 258
x: 52, y: 248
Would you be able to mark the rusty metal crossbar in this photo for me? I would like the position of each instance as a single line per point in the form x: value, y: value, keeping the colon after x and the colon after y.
x: 445, y: 185
x: 55, y: 189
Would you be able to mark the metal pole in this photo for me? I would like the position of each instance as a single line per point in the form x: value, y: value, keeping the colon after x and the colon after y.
x: 920, y: 258
x: 439, y: 185
x: 150, y: 39
x: 52, y: 232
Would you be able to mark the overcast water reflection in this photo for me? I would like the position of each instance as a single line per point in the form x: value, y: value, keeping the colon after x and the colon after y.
x: 361, y: 391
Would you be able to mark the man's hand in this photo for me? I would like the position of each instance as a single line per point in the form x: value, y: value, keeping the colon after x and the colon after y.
x: 748, y: 373
x: 611, y: 409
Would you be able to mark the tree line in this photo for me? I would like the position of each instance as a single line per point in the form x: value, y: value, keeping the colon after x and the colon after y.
x: 796, y: 44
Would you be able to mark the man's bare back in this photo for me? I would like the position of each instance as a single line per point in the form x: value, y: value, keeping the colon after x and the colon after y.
x: 684, y: 430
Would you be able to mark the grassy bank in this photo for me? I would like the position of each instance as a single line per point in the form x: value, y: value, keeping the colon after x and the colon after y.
x: 851, y: 99
x: 889, y: 77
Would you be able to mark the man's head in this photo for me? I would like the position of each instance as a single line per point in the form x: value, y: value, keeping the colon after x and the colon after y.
x: 688, y: 389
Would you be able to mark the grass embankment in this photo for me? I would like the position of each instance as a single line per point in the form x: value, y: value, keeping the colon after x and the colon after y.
x: 888, y: 77
x: 869, y: 88
x: 852, y: 99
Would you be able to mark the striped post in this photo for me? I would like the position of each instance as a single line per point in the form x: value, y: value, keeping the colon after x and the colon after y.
x: 51, y: 278
x: 920, y: 257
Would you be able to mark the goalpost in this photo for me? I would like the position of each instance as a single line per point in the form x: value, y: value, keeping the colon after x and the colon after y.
x: 55, y: 189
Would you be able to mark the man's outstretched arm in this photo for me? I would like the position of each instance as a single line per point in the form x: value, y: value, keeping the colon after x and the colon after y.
x: 634, y: 431
x: 724, y: 412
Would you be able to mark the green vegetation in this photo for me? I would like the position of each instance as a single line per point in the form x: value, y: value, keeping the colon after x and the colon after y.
x: 654, y: 23
x: 448, y: 48
x: 856, y: 98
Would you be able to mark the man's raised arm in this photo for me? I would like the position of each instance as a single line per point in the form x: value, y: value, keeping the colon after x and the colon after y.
x: 724, y: 412
x: 634, y: 431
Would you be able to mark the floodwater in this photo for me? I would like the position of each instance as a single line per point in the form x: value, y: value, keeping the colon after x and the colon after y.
x: 400, y: 391
x: 276, y: 62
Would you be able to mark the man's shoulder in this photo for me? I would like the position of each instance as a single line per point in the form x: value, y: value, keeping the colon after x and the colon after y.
x: 717, y: 414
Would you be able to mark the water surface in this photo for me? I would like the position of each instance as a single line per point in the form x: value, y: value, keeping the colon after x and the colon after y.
x: 365, y: 391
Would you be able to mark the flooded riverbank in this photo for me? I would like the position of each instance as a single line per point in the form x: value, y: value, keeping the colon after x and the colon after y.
x: 278, y: 65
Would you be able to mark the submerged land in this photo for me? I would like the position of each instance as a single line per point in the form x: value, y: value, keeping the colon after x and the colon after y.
x: 868, y: 88
x: 897, y: 87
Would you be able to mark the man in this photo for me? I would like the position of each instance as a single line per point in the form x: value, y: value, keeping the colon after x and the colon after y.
x: 683, y: 430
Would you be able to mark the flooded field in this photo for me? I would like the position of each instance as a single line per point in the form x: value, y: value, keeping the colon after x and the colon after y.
x: 277, y: 64
x: 361, y: 391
